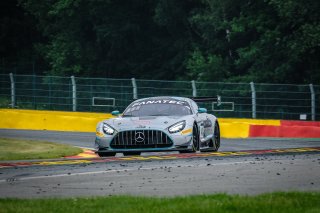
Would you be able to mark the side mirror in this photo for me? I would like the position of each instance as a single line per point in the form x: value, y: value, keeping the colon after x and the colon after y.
x: 115, y: 113
x: 202, y: 110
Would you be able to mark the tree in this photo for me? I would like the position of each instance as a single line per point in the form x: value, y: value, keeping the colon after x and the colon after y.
x: 274, y: 41
x: 263, y: 41
x: 145, y: 39
x: 18, y: 37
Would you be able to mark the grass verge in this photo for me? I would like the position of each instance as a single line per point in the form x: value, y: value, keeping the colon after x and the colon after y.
x: 12, y: 149
x: 273, y: 202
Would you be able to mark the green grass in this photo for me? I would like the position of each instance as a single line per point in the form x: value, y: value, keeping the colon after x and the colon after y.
x: 12, y: 149
x: 274, y: 202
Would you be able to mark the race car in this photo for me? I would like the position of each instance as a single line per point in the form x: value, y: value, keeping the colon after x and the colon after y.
x: 158, y: 124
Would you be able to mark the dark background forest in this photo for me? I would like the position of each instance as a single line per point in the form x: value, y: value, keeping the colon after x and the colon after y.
x: 271, y: 41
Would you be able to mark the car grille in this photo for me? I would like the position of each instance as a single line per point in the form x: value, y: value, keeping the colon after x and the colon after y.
x: 141, y: 139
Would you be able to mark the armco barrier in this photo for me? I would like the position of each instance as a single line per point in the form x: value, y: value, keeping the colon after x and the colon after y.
x: 86, y: 122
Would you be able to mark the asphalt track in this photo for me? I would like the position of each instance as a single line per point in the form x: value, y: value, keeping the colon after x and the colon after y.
x: 86, y: 140
x: 284, y: 170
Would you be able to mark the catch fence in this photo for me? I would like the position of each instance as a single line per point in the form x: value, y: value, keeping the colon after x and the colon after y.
x: 238, y: 100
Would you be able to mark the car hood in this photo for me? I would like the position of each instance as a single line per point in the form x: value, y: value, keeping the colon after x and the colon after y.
x: 148, y: 122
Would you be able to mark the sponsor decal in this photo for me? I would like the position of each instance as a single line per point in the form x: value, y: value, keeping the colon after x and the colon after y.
x: 186, y: 131
x: 160, y: 101
x: 142, y: 123
x: 164, y: 105
x: 99, y: 134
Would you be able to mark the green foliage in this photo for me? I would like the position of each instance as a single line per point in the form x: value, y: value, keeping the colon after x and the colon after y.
x: 113, y: 38
x: 267, y: 41
x: 209, y: 68
x: 18, y: 36
x: 274, y: 41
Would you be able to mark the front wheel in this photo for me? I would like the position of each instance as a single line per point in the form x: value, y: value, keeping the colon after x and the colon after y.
x: 106, y: 154
x: 131, y: 153
x: 195, y: 141
x: 216, y: 137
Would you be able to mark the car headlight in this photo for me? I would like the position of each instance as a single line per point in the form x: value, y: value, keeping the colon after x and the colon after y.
x: 177, y: 127
x: 107, y: 129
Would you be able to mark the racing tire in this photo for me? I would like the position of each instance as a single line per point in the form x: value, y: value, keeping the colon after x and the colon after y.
x: 131, y: 153
x: 107, y: 154
x: 195, y: 141
x: 216, y: 137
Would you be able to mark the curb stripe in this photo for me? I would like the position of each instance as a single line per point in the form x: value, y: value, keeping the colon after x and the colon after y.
x: 160, y: 157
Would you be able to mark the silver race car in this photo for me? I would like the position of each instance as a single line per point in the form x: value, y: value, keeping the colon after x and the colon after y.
x: 158, y: 124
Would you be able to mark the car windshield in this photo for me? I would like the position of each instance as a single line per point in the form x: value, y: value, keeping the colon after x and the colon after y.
x: 157, y: 107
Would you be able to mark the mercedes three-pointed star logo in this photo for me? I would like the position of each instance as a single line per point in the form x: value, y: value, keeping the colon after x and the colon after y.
x: 139, y: 137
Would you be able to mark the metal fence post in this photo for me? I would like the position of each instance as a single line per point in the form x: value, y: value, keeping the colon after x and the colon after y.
x: 34, y: 91
x: 13, y: 91
x: 135, y: 90
x: 194, y: 88
x: 313, y: 102
x: 254, y: 103
x: 74, y: 94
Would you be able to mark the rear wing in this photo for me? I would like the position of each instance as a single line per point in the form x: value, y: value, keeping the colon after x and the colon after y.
x: 207, y: 99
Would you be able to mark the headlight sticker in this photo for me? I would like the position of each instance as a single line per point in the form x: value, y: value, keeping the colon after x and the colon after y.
x: 99, y: 134
x: 187, y: 131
